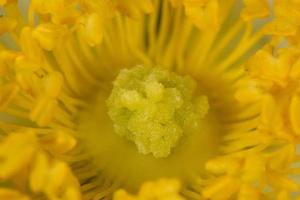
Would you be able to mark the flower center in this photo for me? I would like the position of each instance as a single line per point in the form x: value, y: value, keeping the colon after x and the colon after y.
x: 150, y: 123
x: 155, y: 109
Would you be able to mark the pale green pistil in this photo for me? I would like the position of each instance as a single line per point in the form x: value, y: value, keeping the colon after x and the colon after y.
x: 155, y: 108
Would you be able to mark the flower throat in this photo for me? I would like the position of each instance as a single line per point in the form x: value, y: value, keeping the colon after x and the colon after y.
x: 155, y: 109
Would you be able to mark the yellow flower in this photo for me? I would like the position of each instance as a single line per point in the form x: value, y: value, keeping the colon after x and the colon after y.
x: 149, y: 99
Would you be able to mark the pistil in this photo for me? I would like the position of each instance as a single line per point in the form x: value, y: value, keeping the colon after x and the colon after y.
x: 155, y: 109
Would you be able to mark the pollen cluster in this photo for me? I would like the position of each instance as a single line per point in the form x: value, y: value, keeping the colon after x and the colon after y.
x: 155, y: 108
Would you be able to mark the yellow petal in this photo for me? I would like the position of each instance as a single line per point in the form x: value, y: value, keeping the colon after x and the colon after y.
x: 283, y: 195
x: 38, y: 175
x: 134, y: 8
x: 16, y: 152
x: 7, y: 24
x: 223, y: 188
x: 43, y: 112
x: 282, y: 182
x: 7, y: 93
x: 61, y: 11
x: 205, y: 17
x: 49, y: 35
x: 223, y: 165
x: 255, y: 9
x: 280, y: 27
x: 176, y: 3
x: 248, y: 193
x: 6, y: 2
x: 58, y: 142
x: 254, y: 168
x: 295, y: 70
x: 9, y: 194
x: 271, y: 64
x: 61, y: 183
x: 30, y: 47
x: 270, y: 112
x: 162, y: 189
x: 248, y: 91
x: 295, y: 114
x: 122, y: 195
x: 92, y: 29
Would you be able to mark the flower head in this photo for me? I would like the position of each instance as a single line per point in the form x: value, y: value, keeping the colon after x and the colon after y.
x: 151, y: 99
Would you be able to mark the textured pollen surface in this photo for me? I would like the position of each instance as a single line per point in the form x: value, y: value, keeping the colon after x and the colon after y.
x: 155, y: 108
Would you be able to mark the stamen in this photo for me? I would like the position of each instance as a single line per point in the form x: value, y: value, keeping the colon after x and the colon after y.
x: 155, y: 108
